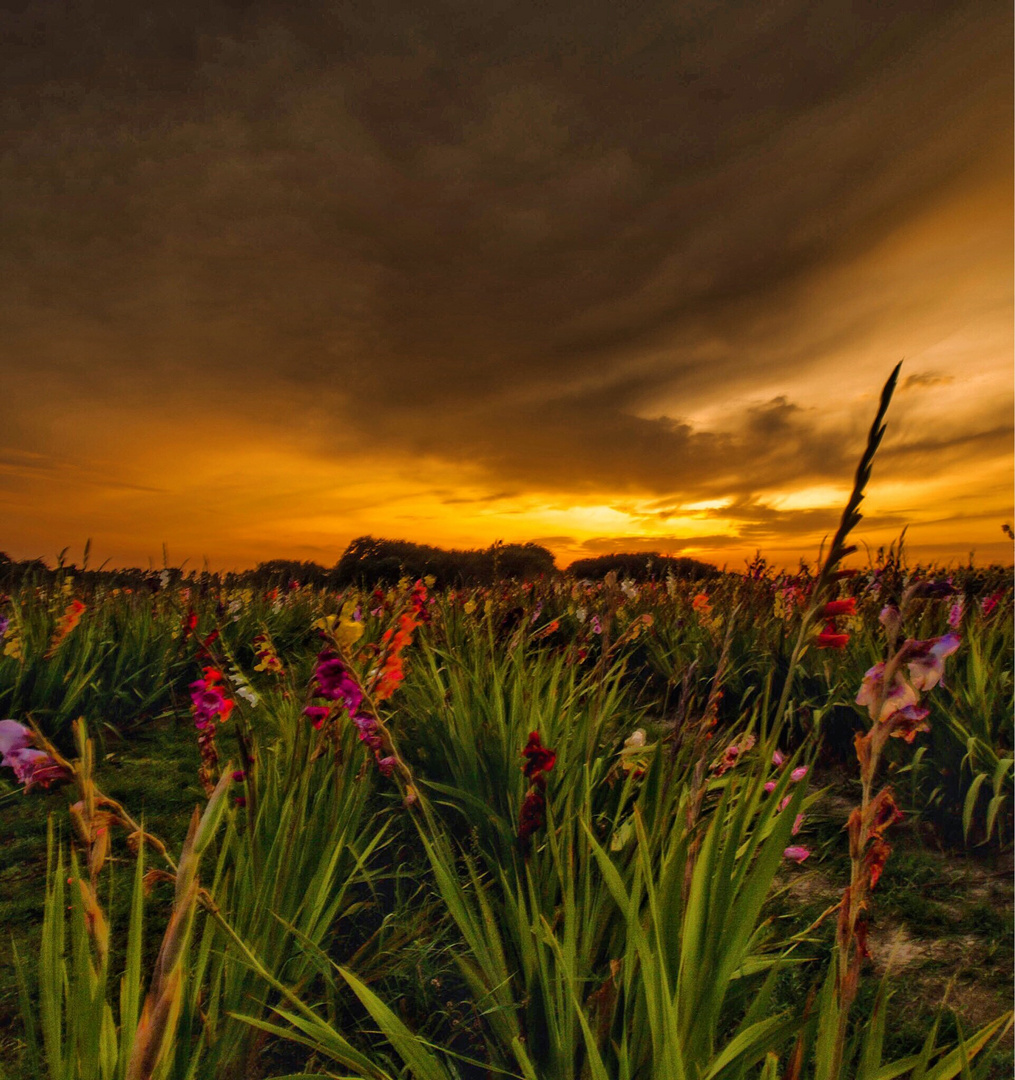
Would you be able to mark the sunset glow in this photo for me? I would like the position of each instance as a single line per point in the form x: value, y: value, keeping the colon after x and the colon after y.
x: 281, y: 278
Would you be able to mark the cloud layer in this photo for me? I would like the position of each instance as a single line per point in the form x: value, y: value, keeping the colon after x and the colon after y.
x: 278, y: 274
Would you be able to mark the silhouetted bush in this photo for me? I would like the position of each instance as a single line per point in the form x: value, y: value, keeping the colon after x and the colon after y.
x: 648, y: 567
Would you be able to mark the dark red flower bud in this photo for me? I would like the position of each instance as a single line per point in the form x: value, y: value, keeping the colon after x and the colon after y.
x: 538, y: 759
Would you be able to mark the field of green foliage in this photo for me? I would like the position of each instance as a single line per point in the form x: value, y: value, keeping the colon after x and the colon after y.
x: 754, y: 827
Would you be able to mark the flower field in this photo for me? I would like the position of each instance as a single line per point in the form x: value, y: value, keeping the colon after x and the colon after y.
x: 758, y: 827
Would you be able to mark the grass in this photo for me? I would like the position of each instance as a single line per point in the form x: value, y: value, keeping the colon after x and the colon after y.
x: 401, y: 947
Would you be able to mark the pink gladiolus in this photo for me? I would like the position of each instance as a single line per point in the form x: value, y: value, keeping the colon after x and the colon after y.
x: 796, y: 853
x: 798, y: 774
x: 796, y: 824
x: 778, y: 758
x: 907, y: 722
x: 900, y: 696
x: 770, y: 786
x: 926, y: 668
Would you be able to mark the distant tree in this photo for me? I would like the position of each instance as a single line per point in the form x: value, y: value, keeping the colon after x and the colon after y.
x: 521, y: 561
x: 278, y: 573
x: 642, y: 567
x: 372, y: 561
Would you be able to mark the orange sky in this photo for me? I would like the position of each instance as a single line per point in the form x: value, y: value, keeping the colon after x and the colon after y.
x: 278, y: 279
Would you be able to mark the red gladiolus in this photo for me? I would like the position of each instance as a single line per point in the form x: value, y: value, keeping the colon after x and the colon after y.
x: 392, y: 670
x: 538, y: 759
x: 875, y: 859
x: 64, y: 625
x: 533, y: 816
x: 839, y: 607
x: 829, y: 639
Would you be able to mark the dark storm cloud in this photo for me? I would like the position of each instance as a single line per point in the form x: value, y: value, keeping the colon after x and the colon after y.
x: 922, y: 379
x: 490, y: 233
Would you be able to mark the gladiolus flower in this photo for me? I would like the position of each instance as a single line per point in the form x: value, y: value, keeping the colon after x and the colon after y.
x: 545, y: 631
x: 900, y: 695
x: 908, y: 722
x: 701, y: 604
x: 532, y: 817
x: 208, y: 703
x: 798, y: 773
x: 732, y: 754
x: 538, y: 759
x: 267, y: 658
x: 839, y: 607
x: 829, y: 639
x: 316, y: 714
x: 31, y: 767
x: 65, y: 624
x: 369, y: 731
x: 335, y: 683
x: 796, y: 854
x: 875, y: 859
x: 926, y: 667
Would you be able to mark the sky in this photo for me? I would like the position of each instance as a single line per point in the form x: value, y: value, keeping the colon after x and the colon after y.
x: 605, y: 276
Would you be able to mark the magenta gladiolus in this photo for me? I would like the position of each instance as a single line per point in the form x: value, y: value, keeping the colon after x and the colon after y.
x: 796, y: 854
x: 316, y: 714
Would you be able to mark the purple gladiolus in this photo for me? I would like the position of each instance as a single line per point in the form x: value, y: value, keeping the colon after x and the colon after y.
x: 927, y: 666
x: 30, y: 766
x: 336, y: 684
